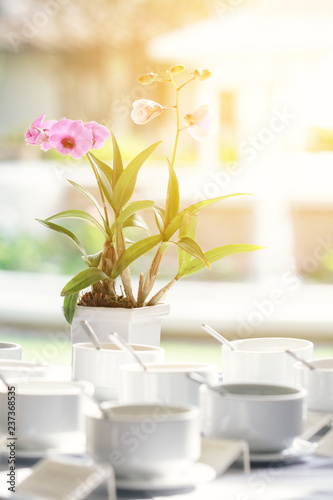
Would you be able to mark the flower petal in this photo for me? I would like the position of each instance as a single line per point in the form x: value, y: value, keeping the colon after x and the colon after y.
x: 145, y: 110
x: 202, y: 123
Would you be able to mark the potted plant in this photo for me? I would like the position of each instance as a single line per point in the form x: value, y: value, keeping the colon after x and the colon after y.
x: 94, y: 293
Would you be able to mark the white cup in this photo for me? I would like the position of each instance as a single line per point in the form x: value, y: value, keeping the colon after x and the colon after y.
x: 8, y: 350
x: 101, y: 366
x: 164, y: 382
x: 48, y: 413
x: 264, y: 360
x: 145, y: 440
x: 318, y: 383
x: 269, y: 417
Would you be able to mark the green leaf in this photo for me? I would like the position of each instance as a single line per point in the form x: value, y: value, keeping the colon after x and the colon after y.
x: 69, y: 306
x: 103, y: 178
x: 216, y: 254
x: 174, y: 225
x: 117, y: 161
x: 125, y: 185
x: 133, y: 207
x: 92, y: 260
x: 103, y: 167
x: 192, y: 248
x: 172, y: 200
x: 78, y: 214
x: 89, y: 196
x: 188, y: 228
x: 134, y: 252
x: 83, y: 279
x: 136, y: 220
x: 66, y: 232
x: 159, y: 213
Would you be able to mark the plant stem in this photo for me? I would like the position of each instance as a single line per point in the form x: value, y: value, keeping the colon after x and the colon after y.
x: 162, y: 292
x: 177, y: 130
x: 126, y: 274
x: 140, y: 290
x: 188, y: 81
x: 150, y: 277
x: 155, y: 265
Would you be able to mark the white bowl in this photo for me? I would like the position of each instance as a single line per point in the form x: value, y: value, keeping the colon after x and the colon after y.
x: 269, y: 417
x: 101, y: 366
x: 318, y: 383
x: 264, y: 360
x: 8, y: 350
x: 164, y: 382
x: 149, y: 439
x: 47, y: 413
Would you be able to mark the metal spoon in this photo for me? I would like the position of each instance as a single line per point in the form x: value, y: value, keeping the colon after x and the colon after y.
x: 200, y: 380
x: 305, y: 363
x: 91, y: 334
x: 116, y: 339
x: 3, y: 380
x: 217, y: 336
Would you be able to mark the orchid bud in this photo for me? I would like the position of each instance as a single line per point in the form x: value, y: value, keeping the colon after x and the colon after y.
x: 147, y: 78
x: 201, y: 74
x: 178, y: 68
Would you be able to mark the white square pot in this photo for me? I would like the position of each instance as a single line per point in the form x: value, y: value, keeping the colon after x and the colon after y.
x: 140, y: 325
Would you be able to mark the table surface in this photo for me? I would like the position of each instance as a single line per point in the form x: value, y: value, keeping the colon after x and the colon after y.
x: 309, y: 479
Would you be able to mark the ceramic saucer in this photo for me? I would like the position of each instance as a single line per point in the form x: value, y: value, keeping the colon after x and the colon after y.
x: 198, y: 473
x: 299, y: 449
x: 76, y: 447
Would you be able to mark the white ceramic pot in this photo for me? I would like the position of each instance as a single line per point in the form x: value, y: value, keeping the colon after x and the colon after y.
x: 136, y: 326
x: 164, y: 382
x: 318, y: 384
x: 145, y: 439
x: 269, y: 417
x: 264, y: 360
x: 8, y: 350
x: 47, y: 413
x: 101, y: 366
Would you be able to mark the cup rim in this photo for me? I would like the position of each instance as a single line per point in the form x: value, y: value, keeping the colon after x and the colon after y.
x: 9, y: 345
x: 87, y: 346
x: 66, y: 387
x: 300, y: 366
x: 187, y: 367
x: 306, y: 344
x: 21, y: 365
x: 187, y: 412
x: 299, y: 392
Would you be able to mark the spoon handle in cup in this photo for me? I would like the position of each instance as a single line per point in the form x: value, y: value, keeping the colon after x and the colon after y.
x: 115, y: 337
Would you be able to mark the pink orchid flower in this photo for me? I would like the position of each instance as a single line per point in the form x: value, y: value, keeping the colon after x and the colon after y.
x: 202, y: 123
x: 71, y: 137
x: 145, y: 110
x: 99, y: 133
x: 38, y: 133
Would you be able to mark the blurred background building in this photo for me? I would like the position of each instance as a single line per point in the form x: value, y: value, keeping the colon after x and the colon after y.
x: 271, y: 63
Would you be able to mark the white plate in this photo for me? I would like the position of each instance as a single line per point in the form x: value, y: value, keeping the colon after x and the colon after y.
x: 198, y: 473
x: 299, y: 449
x: 78, y: 448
